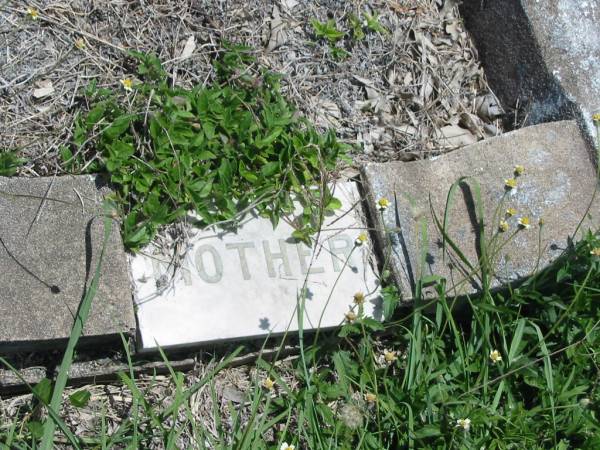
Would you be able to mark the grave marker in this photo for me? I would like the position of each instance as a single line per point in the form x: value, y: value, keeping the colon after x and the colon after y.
x: 246, y: 284
x: 541, y: 57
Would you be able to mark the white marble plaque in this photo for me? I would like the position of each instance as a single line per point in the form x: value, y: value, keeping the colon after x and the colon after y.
x: 249, y: 283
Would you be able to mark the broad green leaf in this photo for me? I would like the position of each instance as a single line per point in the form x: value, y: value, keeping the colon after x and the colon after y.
x: 427, y: 431
x: 205, y: 154
x: 9, y: 163
x: 117, y: 128
x: 80, y: 399
x: 270, y: 169
x: 334, y: 203
x: 95, y: 115
x: 36, y: 428
x: 43, y: 390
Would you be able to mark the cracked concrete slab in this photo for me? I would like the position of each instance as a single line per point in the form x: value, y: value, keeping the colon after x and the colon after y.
x: 557, y: 186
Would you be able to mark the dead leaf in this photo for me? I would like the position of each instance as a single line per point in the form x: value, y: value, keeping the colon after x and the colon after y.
x: 453, y: 30
x: 364, y: 81
x: 405, y: 129
x: 376, y: 102
x: 232, y: 394
x: 372, y: 93
x: 289, y: 4
x: 277, y: 33
x: 452, y: 136
x: 426, y: 88
x: 488, y: 107
x: 472, y: 123
x: 189, y: 47
x: 425, y: 41
x: 44, y: 89
x: 491, y: 130
x: 331, y: 109
x: 328, y: 113
x: 392, y: 76
x: 448, y: 7
x: 43, y: 108
x: 413, y: 117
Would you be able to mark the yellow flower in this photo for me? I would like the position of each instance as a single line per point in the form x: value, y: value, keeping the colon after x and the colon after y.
x: 511, y: 212
x: 495, y: 356
x: 503, y: 226
x: 383, y: 203
x: 370, y: 397
x: 286, y: 446
x: 510, y: 183
x: 361, y: 239
x: 33, y: 13
x: 519, y: 170
x: 465, y: 424
x: 541, y: 221
x: 80, y: 43
x: 350, y: 316
x: 595, y: 252
x: 524, y: 222
x: 268, y: 384
x: 127, y: 84
x: 596, y: 117
x: 359, y: 298
x: 389, y: 356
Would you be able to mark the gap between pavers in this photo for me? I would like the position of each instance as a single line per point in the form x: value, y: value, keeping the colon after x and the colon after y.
x: 557, y: 186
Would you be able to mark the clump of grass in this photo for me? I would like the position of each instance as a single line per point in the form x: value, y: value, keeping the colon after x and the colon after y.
x: 335, y: 34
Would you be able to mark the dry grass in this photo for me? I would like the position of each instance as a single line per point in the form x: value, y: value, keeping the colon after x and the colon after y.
x: 112, y: 404
x: 413, y: 92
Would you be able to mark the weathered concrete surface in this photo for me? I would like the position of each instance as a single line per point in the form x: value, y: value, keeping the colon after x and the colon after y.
x: 247, y: 284
x: 95, y: 371
x: 543, y: 53
x: 10, y: 383
x: 45, y: 264
x: 557, y: 186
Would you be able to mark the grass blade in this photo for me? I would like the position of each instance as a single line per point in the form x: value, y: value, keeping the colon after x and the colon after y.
x: 516, y: 341
x: 82, y: 315
x: 51, y: 412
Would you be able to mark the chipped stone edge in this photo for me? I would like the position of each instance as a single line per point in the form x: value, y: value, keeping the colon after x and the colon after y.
x: 383, y: 245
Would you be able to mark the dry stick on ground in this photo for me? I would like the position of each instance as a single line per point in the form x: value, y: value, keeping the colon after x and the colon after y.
x: 40, y: 207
